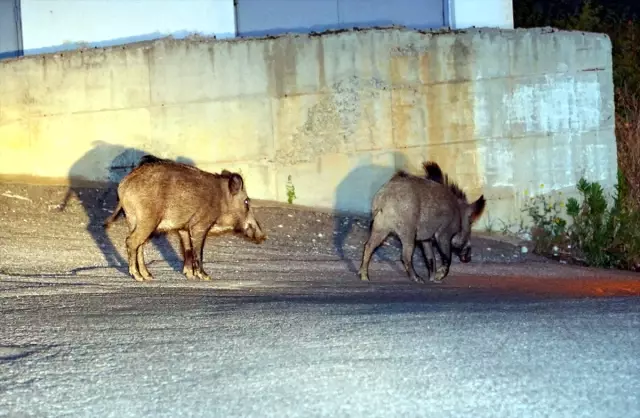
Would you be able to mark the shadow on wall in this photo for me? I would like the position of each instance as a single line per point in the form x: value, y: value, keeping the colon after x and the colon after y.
x: 98, y: 204
x: 70, y: 46
x: 353, y: 200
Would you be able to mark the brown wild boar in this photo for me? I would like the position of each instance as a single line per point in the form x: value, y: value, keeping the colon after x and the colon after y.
x: 162, y: 196
x: 187, y: 255
x: 420, y: 209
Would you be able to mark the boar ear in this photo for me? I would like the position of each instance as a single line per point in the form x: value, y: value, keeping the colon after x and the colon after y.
x: 476, y: 208
x: 225, y: 173
x: 235, y: 183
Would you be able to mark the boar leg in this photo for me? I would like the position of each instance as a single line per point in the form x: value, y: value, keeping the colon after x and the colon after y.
x: 142, y: 266
x: 133, y: 261
x: 429, y: 256
x: 187, y: 253
x: 408, y: 246
x: 374, y: 241
x: 198, y: 235
x: 136, y: 238
x: 444, y: 247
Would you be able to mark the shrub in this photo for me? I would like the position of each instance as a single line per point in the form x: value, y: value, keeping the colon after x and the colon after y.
x: 599, y: 235
x: 604, y: 236
x: 549, y: 228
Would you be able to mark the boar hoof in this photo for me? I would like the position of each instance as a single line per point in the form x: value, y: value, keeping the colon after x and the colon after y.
x: 203, y: 276
x: 188, y: 274
x: 364, y: 276
x: 137, y: 277
x: 440, y: 275
x: 417, y: 279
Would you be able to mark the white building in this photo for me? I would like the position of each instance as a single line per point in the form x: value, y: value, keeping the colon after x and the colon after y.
x: 37, y: 26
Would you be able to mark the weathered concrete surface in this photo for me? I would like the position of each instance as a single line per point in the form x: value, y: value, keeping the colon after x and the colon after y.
x: 501, y: 111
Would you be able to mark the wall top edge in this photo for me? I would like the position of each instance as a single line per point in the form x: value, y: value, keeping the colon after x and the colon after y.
x: 198, y: 39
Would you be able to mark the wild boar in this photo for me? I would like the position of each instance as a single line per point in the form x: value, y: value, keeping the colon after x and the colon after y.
x: 459, y: 245
x: 162, y: 196
x: 185, y: 246
x: 420, y: 209
x: 187, y: 255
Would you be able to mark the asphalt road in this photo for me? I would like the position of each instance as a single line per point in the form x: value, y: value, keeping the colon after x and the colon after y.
x: 377, y: 350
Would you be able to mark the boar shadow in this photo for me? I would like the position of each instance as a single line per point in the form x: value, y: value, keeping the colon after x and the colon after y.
x: 98, y: 203
x: 352, y: 207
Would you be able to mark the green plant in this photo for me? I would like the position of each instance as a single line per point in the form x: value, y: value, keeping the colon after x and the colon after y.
x: 604, y: 236
x: 549, y: 229
x: 488, y: 224
x: 508, y: 228
x: 291, y: 190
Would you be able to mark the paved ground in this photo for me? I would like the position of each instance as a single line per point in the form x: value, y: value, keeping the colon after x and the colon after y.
x: 382, y: 350
x: 287, y: 329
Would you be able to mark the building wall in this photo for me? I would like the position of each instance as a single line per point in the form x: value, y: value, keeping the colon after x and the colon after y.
x: 269, y: 17
x: 10, y: 40
x: 57, y: 25
x: 53, y: 25
x: 501, y: 111
x: 272, y: 17
x: 486, y: 13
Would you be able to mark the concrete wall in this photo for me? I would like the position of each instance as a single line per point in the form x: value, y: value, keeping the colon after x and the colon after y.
x: 501, y: 111
x: 57, y: 25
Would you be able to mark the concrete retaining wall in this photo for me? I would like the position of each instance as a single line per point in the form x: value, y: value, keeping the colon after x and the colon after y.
x: 501, y: 111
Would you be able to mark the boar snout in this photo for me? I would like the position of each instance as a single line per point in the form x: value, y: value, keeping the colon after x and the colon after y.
x: 253, y: 231
x: 465, y: 254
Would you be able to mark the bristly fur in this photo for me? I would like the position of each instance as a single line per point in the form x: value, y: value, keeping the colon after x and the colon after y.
x: 434, y: 172
x: 152, y: 159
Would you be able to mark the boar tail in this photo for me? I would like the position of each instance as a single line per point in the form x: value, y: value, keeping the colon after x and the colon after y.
x: 113, y: 216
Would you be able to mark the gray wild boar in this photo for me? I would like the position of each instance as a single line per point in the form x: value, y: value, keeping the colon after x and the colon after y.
x: 420, y: 209
x: 459, y: 245
x: 163, y: 196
